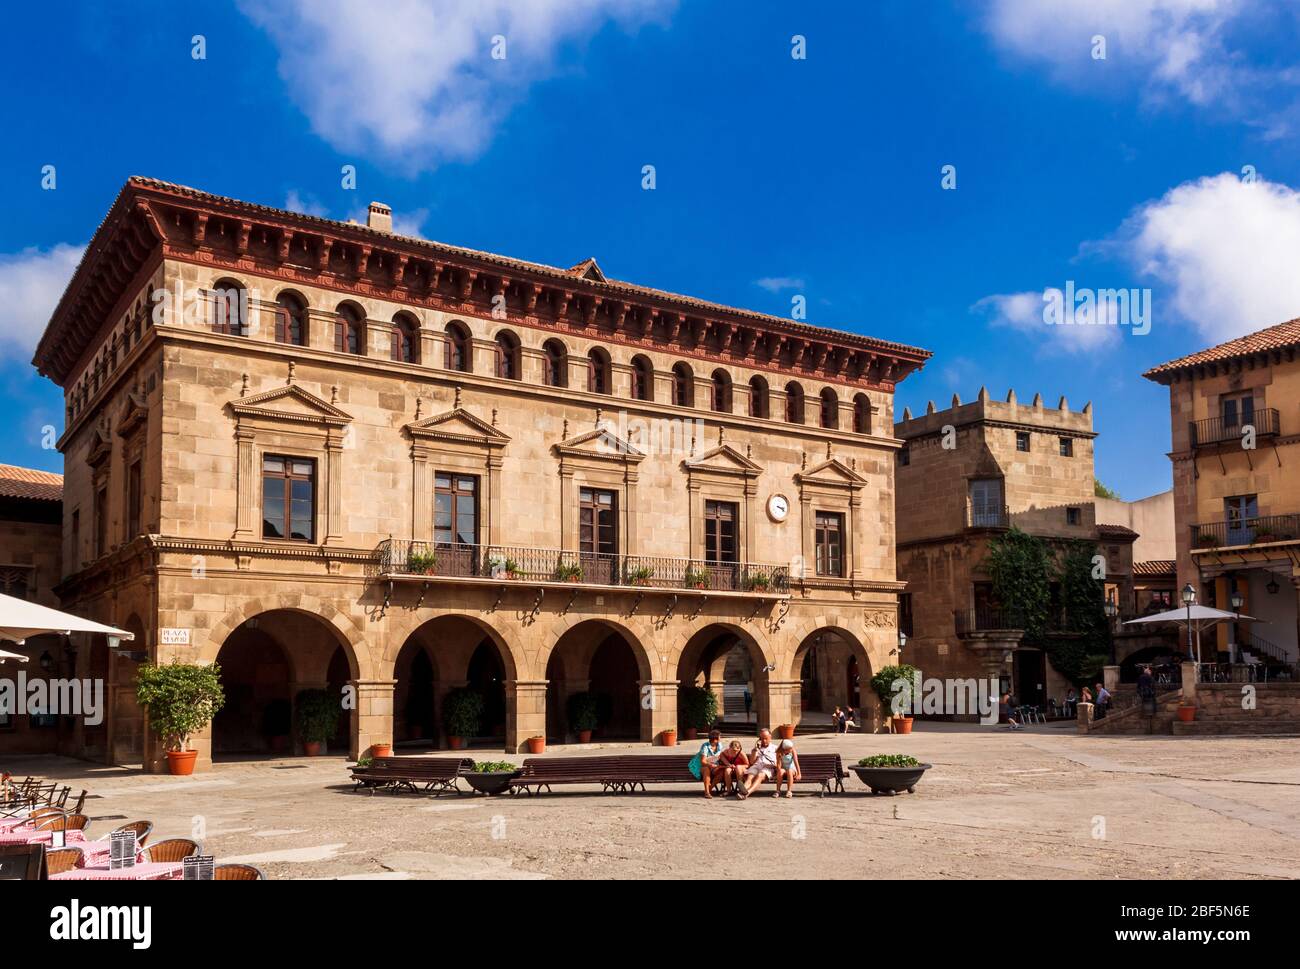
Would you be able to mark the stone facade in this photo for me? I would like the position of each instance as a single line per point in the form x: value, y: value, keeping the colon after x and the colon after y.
x: 672, y: 406
x: 966, y: 475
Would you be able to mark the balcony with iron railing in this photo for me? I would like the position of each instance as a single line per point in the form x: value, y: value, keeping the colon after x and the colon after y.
x: 981, y: 514
x: 1246, y: 531
x: 1216, y: 430
x: 398, y: 558
x: 987, y: 619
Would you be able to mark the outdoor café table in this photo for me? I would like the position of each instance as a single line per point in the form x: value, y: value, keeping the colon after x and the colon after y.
x: 148, y: 871
x: 30, y: 836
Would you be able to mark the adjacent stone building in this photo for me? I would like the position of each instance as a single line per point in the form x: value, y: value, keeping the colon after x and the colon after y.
x: 1235, y: 412
x: 970, y: 473
x: 326, y: 455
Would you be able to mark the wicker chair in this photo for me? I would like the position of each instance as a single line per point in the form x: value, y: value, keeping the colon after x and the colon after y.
x: 142, y: 830
x: 62, y: 859
x: 43, y: 812
x: 237, y: 873
x: 173, y: 849
x: 61, y: 822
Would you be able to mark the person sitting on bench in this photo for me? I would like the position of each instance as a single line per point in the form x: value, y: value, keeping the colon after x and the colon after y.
x: 762, y: 763
x: 787, y: 768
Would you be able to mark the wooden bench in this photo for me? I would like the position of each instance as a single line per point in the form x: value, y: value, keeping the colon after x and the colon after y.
x: 623, y: 773
x: 413, y: 774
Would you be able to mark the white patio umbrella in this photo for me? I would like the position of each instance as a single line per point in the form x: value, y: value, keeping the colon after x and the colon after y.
x: 20, y: 619
x: 1196, y: 615
x: 5, y: 654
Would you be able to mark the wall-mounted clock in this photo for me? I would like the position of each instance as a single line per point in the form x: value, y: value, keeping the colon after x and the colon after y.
x: 778, y: 507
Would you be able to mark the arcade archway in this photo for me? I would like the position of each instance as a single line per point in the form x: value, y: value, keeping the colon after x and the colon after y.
x: 608, y: 662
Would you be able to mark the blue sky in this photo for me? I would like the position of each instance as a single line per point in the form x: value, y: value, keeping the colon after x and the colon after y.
x: 776, y: 176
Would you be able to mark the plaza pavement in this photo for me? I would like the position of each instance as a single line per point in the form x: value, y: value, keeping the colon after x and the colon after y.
x: 1038, y: 803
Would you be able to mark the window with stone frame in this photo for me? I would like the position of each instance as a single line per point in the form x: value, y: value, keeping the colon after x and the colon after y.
x: 18, y: 581
x: 288, y: 498
x: 721, y: 519
x: 828, y: 543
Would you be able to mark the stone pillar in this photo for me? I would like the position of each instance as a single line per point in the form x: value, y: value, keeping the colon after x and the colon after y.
x: 373, y: 720
x: 1110, y: 678
x: 778, y: 702
x: 1085, y: 716
x: 660, y: 712
x: 1189, y: 682
x: 525, y: 712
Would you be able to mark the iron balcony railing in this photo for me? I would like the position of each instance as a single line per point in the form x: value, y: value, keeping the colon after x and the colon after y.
x: 1248, y: 673
x: 1246, y: 531
x: 986, y: 619
x: 1216, y: 430
x: 981, y: 514
x: 524, y: 564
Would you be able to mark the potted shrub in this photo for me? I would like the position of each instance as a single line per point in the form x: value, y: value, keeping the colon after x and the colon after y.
x: 696, y: 579
x: 668, y: 738
x: 277, y: 722
x: 179, y: 699
x: 1206, y: 540
x: 318, y: 719
x: 883, y: 684
x: 381, y: 750
x: 759, y: 582
x: 583, y: 712
x: 462, y: 715
x: 785, y: 731
x: 698, y: 706
x: 568, y: 572
x: 492, y: 776
x: 890, y: 773
x: 420, y: 562
x: 640, y: 576
x: 1186, y: 712
x: 536, y: 745
x: 502, y: 567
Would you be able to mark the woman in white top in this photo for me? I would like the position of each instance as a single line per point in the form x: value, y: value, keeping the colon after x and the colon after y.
x: 762, y: 763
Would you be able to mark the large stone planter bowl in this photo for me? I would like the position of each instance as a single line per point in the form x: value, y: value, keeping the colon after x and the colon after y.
x: 890, y: 780
x: 491, y: 782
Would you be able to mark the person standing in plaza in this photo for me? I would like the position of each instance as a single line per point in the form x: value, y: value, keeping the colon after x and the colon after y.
x: 1103, y: 701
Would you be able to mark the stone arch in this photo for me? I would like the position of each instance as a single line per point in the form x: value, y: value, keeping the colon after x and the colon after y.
x: 607, y: 658
x: 703, y: 660
x: 401, y: 628
x: 349, y: 631
x: 835, y: 634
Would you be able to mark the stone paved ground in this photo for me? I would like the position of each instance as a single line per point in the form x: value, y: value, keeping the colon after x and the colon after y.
x: 996, y: 805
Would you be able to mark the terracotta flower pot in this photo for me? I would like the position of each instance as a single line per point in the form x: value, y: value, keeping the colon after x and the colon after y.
x: 785, y: 731
x: 1187, y: 714
x: 456, y: 743
x: 668, y: 738
x: 584, y: 736
x: 902, y: 724
x: 181, y: 762
x: 381, y: 750
x: 536, y: 745
x: 311, y: 748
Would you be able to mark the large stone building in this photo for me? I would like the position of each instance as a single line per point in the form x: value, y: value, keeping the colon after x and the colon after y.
x: 30, y: 533
x: 1235, y: 412
x: 966, y: 475
x: 326, y: 455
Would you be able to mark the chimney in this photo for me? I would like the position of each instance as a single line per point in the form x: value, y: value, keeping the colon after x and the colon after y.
x: 380, y: 216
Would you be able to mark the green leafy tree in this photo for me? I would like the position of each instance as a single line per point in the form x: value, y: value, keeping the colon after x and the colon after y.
x: 883, y: 683
x: 1099, y: 490
x: 318, y: 715
x: 179, y: 699
x: 1021, y: 568
x: 1081, y: 655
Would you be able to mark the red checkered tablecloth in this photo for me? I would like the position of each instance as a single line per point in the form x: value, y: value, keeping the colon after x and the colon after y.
x: 149, y: 871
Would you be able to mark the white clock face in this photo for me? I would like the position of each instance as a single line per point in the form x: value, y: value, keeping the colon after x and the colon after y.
x: 778, y: 506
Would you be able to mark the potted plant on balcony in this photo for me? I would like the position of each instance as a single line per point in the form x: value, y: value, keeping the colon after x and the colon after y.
x: 568, y: 572
x: 1206, y: 540
x: 890, y: 773
x: 318, y: 719
x: 640, y: 576
x: 179, y: 699
x: 462, y: 715
x: 583, y: 710
x: 884, y: 683
x: 758, y: 582
x: 696, y: 579
x: 502, y: 567
x: 699, y: 709
x: 420, y: 562
x: 492, y: 776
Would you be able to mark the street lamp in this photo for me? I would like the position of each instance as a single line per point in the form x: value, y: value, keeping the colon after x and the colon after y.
x: 1189, y: 600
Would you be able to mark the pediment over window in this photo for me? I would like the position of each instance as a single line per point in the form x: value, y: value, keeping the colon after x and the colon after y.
x: 290, y: 404
x: 832, y: 473
x: 724, y: 459
x: 101, y: 446
x: 134, y: 413
x: 601, y: 444
x: 458, y: 426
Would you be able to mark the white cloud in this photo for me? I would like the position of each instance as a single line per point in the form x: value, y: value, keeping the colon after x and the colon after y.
x: 774, y: 284
x: 414, y: 81
x: 31, y: 283
x: 1024, y: 313
x: 1228, y: 251
x: 294, y: 202
x: 1184, y: 49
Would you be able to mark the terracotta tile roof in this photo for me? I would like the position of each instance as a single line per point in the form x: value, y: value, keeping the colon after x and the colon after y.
x: 1155, y: 568
x: 1115, y: 531
x: 18, y: 482
x: 1284, y: 336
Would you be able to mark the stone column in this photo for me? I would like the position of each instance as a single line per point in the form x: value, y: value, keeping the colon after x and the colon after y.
x: 373, y: 720
x: 658, y: 708
x: 1085, y: 717
x: 525, y: 713
x: 247, y: 478
x: 780, y: 701
x: 1189, y: 682
x: 334, y: 488
x: 1110, y: 678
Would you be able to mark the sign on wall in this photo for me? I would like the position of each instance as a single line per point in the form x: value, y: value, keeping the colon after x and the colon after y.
x: 175, y: 637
